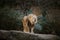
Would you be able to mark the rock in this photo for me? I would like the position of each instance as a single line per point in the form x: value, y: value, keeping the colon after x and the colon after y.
x: 19, y: 35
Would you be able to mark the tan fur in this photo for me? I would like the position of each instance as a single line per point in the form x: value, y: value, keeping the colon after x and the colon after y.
x: 33, y: 19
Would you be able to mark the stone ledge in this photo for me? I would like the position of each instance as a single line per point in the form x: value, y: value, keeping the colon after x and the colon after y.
x: 18, y: 35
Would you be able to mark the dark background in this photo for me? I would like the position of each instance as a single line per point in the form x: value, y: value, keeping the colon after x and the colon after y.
x: 48, y: 12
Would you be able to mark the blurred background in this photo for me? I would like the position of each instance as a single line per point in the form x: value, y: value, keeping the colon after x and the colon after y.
x: 48, y: 12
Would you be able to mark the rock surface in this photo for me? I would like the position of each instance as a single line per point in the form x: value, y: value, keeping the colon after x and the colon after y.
x: 18, y: 35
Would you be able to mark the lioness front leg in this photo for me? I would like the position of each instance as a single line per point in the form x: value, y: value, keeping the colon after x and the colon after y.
x: 32, y: 30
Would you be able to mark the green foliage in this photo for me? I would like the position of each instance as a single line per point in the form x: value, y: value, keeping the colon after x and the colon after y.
x: 9, y: 18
